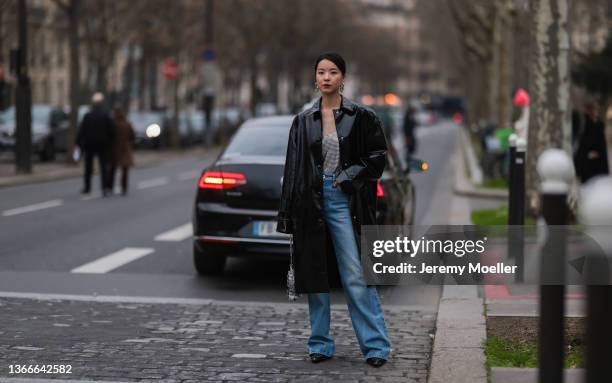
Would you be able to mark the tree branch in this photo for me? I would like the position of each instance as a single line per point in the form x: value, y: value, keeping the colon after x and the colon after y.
x: 467, y: 40
x: 479, y: 15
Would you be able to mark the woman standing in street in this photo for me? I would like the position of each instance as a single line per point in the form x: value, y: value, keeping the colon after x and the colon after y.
x: 335, y: 154
x: 122, y: 149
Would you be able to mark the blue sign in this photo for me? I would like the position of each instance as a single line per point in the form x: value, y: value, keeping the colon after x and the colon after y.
x: 208, y: 54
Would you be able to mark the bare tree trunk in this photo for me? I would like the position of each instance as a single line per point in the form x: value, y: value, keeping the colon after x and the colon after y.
x: 253, y: 85
x: 550, y: 118
x: 494, y: 79
x: 142, y: 79
x: 152, y: 81
x: 505, y: 60
x: 128, y: 79
x: 178, y: 29
x: 73, y: 12
x: 2, y: 5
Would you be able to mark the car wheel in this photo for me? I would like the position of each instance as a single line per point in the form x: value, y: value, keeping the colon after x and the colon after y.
x: 208, y: 262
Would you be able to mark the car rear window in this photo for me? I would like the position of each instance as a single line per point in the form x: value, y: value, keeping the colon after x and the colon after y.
x: 259, y: 141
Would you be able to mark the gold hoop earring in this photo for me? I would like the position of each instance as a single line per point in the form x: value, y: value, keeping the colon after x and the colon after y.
x: 341, y: 87
x: 316, y: 86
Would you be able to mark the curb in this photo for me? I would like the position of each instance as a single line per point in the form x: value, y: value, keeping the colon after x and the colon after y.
x: 141, y: 160
x: 464, y: 186
x: 530, y: 375
x: 458, y: 351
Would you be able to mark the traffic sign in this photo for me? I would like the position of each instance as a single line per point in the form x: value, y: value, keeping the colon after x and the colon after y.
x: 170, y: 69
x: 209, y: 54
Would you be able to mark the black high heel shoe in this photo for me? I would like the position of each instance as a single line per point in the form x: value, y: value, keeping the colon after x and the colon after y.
x: 376, y: 362
x: 316, y: 358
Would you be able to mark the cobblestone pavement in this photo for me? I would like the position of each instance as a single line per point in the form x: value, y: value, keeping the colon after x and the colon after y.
x: 217, y: 341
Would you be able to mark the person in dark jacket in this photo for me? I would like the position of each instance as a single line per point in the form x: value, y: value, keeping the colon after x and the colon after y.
x: 95, y: 137
x: 591, y: 155
x: 409, y: 137
x: 122, y: 156
x: 336, y: 152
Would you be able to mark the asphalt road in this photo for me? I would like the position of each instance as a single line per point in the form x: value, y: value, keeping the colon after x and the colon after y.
x: 141, y: 244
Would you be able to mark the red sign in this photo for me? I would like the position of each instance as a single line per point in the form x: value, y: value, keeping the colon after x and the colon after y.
x: 170, y: 69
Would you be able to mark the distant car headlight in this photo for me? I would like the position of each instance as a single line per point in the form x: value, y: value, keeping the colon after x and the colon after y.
x: 153, y: 131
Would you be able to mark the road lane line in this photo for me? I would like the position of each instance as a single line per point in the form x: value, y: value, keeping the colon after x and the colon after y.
x: 177, y: 234
x: 153, y: 182
x: 113, y: 261
x: 189, y: 175
x: 31, y: 208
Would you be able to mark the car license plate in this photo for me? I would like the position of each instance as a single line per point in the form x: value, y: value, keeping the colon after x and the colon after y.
x: 266, y: 229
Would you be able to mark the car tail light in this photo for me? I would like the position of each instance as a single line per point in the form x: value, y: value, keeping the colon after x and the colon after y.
x: 221, y: 180
x: 380, y: 192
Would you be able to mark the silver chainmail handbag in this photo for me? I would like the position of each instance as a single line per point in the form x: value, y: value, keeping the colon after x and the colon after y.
x: 291, y: 274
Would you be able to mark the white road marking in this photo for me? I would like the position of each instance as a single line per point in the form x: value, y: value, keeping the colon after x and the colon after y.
x: 31, y: 208
x: 113, y: 261
x: 153, y: 182
x: 258, y: 356
x: 177, y: 234
x: 189, y: 175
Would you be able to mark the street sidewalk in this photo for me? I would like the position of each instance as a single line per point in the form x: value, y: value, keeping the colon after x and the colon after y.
x: 458, y: 351
x: 510, y: 305
x: 57, y: 170
x: 124, y: 339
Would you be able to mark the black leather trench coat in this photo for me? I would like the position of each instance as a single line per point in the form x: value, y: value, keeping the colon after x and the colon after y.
x: 363, y: 151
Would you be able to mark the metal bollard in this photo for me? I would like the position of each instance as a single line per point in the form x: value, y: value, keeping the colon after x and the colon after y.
x: 519, y: 182
x: 556, y: 171
x: 511, y: 197
x: 595, y: 210
x: 517, y: 240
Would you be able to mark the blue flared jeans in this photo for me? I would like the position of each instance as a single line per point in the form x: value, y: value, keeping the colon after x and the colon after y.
x: 363, y: 302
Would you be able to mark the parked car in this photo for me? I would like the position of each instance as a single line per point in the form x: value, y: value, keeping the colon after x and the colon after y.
x: 422, y: 115
x: 224, y: 122
x: 50, y: 127
x: 239, y: 193
x: 148, y: 126
x: 7, y: 129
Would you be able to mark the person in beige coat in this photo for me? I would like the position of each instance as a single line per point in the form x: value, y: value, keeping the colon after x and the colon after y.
x: 122, y: 149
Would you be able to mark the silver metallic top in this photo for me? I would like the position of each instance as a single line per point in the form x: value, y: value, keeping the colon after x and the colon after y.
x: 331, y: 152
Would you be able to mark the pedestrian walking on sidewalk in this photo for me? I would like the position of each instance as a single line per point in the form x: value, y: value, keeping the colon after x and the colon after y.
x: 95, y: 137
x: 336, y: 152
x: 122, y: 156
x: 591, y: 156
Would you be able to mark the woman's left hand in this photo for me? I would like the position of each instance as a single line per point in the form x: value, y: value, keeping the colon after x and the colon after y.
x: 335, y: 184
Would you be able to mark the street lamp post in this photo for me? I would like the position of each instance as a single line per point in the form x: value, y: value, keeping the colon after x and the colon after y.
x: 23, y: 95
x: 208, y: 56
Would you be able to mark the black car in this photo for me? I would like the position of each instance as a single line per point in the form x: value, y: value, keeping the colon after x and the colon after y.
x: 238, y: 196
x: 148, y: 128
x: 50, y: 128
